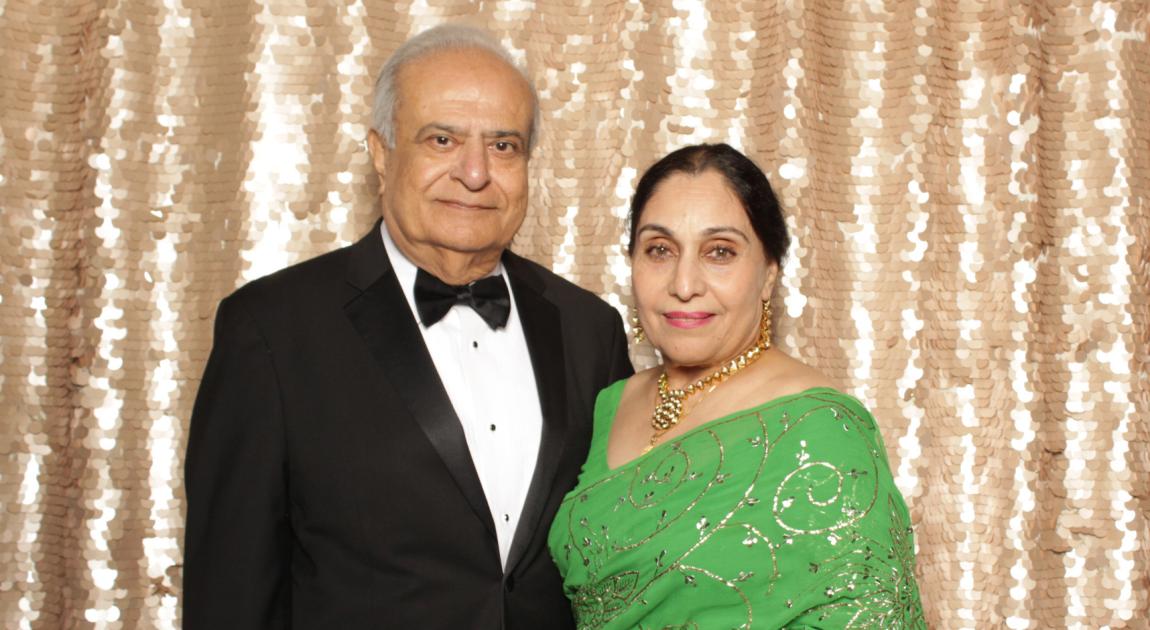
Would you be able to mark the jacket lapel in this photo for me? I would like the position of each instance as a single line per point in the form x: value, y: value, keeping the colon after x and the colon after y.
x: 541, y: 329
x: 381, y: 315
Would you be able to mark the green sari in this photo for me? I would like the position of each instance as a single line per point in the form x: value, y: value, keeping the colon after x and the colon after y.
x: 780, y: 516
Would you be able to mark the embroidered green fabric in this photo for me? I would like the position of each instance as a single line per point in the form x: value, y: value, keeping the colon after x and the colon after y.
x: 780, y: 516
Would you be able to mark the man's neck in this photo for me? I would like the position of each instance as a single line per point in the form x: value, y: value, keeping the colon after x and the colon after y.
x: 450, y: 266
x: 455, y: 267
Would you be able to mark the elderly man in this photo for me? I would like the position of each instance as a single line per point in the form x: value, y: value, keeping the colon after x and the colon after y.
x: 383, y: 434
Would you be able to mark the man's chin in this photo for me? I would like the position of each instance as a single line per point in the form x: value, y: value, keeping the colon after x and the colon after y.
x: 469, y: 246
x: 470, y: 240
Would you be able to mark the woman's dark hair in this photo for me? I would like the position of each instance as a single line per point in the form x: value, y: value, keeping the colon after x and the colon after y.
x: 744, y: 179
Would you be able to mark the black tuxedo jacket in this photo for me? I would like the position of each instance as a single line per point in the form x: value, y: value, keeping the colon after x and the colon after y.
x: 329, y: 484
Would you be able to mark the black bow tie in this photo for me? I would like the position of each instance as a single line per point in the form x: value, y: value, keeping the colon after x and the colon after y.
x: 488, y: 296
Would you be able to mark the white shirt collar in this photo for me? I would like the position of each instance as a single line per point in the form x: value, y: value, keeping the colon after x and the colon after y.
x: 405, y: 270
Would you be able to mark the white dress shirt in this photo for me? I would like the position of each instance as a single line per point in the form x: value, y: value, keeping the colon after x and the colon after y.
x: 488, y: 377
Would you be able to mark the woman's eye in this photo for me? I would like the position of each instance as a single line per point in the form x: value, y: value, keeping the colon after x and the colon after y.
x: 658, y: 251
x: 722, y: 253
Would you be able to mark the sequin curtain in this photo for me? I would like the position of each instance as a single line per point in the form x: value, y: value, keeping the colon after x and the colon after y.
x: 967, y: 184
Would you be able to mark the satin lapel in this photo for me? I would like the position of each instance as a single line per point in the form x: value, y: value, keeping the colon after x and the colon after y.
x: 382, y: 317
x: 541, y: 329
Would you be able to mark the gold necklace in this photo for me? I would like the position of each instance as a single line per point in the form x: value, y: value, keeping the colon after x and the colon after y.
x: 670, y: 408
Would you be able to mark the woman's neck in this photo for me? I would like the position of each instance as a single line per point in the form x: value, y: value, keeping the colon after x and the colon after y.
x: 680, y: 375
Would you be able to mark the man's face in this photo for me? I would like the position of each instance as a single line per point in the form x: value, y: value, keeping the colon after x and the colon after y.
x: 456, y: 180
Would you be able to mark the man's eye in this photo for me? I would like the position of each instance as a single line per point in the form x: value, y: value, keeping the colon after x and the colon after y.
x: 505, y: 146
x: 441, y: 141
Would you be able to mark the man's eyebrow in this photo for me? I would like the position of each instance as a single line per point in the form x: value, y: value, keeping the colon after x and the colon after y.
x: 504, y: 133
x: 457, y: 131
x: 438, y: 126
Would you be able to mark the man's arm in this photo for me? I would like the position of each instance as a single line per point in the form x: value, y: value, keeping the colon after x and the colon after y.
x: 237, y: 539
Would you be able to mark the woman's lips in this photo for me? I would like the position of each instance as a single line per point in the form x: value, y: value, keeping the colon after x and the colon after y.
x: 683, y: 319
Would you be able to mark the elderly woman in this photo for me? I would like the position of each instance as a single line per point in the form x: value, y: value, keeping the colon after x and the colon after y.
x: 732, y: 486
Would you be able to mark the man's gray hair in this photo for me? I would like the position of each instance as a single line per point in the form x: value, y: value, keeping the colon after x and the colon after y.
x: 442, y: 37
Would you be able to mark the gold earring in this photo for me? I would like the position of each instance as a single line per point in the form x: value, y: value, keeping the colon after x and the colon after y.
x: 765, y: 326
x: 637, y: 326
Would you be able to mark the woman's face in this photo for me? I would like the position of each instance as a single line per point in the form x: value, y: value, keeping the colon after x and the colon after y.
x: 698, y: 272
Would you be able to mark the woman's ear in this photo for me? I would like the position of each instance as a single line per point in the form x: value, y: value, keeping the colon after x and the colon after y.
x: 769, y: 284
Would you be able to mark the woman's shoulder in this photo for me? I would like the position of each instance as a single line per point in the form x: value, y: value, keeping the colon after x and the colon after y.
x: 796, y: 388
x: 777, y: 378
x: 627, y: 386
x: 622, y: 390
x: 802, y: 385
x: 788, y: 375
x: 616, y: 394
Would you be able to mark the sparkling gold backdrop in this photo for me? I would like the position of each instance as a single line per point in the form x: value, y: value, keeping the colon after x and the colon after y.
x: 968, y: 184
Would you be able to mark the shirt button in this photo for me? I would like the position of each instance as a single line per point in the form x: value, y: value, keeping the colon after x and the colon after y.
x: 506, y: 518
x: 493, y: 427
x: 474, y: 344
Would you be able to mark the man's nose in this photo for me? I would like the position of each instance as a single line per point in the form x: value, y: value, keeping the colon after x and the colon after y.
x: 471, y: 168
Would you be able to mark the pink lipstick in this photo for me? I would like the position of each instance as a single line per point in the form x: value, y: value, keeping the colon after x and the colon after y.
x: 685, y: 319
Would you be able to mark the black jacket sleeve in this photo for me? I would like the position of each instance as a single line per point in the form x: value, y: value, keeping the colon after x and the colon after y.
x: 620, y: 360
x: 237, y: 546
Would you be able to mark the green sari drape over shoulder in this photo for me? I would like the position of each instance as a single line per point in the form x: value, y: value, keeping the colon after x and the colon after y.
x: 780, y: 516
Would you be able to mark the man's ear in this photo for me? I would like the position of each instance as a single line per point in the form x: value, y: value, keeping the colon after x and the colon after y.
x: 379, y: 153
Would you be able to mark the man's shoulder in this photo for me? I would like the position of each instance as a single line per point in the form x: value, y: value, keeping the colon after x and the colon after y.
x: 301, y: 282
x: 557, y: 288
